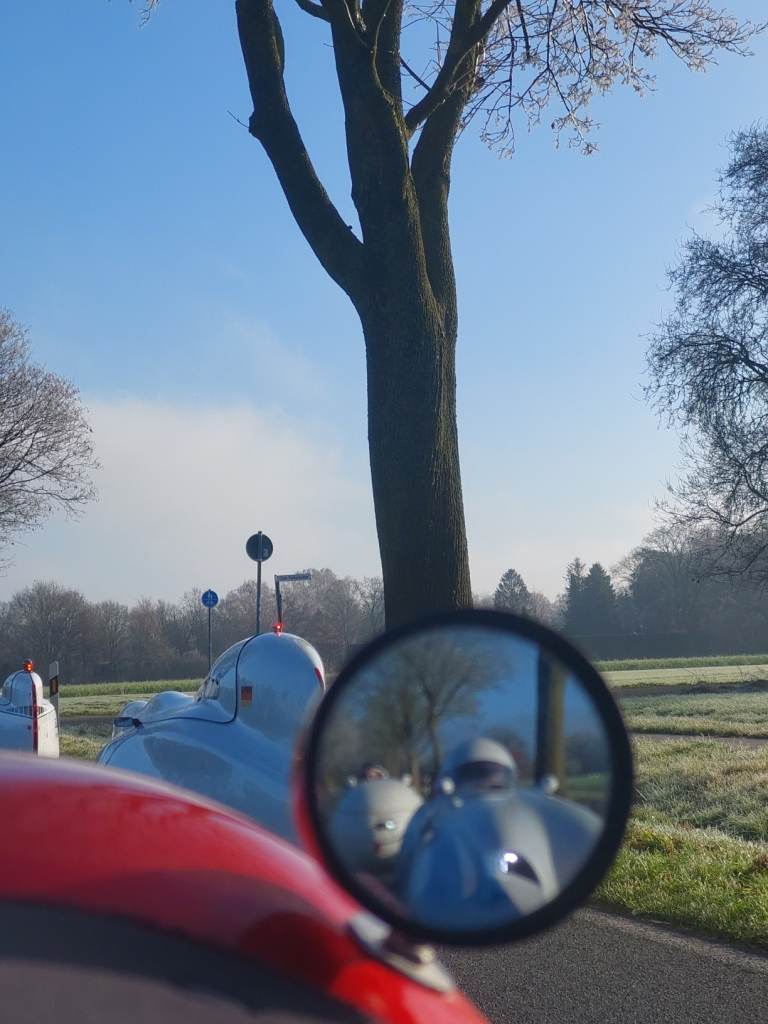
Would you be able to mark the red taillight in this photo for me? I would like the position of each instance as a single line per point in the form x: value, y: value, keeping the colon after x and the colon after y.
x: 319, y: 675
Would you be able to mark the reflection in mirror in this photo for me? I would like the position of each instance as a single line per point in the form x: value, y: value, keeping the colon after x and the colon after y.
x: 463, y: 777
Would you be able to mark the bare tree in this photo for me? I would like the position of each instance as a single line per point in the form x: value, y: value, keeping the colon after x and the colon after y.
x: 113, y: 624
x: 147, y: 647
x: 46, y: 451
x: 542, y: 609
x: 708, y: 366
x: 662, y: 577
x: 370, y: 594
x: 491, y: 59
x: 46, y: 622
x: 184, y: 623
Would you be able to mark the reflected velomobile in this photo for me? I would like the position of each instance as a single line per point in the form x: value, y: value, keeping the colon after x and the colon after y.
x: 496, y: 771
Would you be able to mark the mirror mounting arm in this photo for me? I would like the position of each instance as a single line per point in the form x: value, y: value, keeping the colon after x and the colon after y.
x: 416, y: 960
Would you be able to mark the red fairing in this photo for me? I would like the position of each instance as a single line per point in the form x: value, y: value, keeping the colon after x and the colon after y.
x: 131, y: 846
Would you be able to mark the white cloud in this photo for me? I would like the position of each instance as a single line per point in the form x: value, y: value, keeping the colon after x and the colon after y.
x: 182, y: 488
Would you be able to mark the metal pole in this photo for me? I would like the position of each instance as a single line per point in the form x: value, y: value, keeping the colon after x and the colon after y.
x: 550, y: 739
x: 258, y: 598
x: 209, y: 638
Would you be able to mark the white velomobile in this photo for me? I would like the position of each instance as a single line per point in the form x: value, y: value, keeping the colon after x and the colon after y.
x: 369, y: 822
x: 28, y: 722
x: 234, y: 740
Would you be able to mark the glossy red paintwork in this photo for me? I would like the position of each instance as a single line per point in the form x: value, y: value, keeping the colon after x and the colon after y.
x: 113, y: 842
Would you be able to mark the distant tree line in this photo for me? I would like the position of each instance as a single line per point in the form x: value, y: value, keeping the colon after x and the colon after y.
x: 660, y: 600
x: 110, y: 641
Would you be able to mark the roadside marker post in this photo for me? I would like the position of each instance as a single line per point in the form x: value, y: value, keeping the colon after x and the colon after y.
x: 53, y: 689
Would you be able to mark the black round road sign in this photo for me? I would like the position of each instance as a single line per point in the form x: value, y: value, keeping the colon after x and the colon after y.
x: 259, y: 547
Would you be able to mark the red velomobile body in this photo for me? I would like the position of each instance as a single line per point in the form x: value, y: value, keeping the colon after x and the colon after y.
x: 103, y: 842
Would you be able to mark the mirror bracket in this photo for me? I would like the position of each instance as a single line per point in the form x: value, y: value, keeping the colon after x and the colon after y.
x: 416, y: 960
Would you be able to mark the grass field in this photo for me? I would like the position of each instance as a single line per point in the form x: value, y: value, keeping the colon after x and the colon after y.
x: 713, y: 674
x: 696, y: 852
x: 703, y: 784
x: 130, y: 689
x: 699, y: 714
x: 652, y: 663
x: 99, y: 704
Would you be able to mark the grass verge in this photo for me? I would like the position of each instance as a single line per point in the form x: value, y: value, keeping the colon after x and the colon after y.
x: 83, y: 741
x: 700, y: 879
x: 685, y: 677
x: 653, y: 663
x: 696, y: 852
x: 699, y: 714
x: 83, y: 747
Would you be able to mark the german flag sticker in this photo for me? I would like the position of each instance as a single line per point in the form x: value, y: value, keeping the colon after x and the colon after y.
x: 246, y: 695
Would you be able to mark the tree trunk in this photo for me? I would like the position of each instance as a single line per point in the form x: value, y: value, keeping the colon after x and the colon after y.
x: 399, y: 276
x: 413, y: 444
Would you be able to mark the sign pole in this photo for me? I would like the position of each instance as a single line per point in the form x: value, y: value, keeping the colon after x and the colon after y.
x: 210, y: 599
x: 258, y: 598
x: 209, y: 640
x: 278, y: 594
x: 258, y: 547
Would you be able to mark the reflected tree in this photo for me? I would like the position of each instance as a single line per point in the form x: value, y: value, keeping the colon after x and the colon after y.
x: 421, y: 684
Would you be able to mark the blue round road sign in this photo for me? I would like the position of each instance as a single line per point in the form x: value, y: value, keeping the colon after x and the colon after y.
x: 210, y: 599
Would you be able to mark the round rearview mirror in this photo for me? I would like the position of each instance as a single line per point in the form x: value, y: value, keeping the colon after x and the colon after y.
x: 469, y: 778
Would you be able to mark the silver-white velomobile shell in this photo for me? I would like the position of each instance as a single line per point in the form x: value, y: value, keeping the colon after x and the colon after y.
x: 27, y: 720
x: 233, y: 741
x: 369, y: 821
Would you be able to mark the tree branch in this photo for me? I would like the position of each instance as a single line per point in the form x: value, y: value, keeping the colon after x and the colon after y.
x: 413, y: 75
x: 273, y: 124
x: 431, y: 169
x: 386, y: 31
x: 465, y: 35
x: 314, y: 9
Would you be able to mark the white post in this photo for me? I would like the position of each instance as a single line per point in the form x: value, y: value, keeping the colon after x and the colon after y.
x: 53, y: 683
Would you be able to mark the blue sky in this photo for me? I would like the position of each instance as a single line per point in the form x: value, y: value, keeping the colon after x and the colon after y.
x: 147, y: 245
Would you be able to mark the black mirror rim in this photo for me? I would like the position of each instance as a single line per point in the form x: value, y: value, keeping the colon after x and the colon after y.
x: 619, y: 804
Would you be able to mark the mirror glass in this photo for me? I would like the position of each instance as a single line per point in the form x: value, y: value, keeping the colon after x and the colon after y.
x: 462, y: 777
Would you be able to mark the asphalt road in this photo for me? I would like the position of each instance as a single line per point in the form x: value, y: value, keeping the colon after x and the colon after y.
x: 600, y: 969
